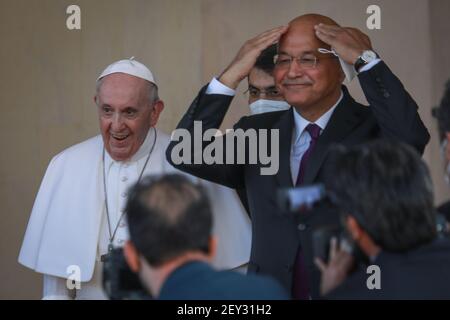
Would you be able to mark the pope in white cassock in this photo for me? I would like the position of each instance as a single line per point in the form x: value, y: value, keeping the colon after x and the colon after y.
x: 78, y: 211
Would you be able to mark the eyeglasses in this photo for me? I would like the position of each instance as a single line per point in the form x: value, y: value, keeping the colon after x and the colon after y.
x: 306, y: 61
x: 271, y: 92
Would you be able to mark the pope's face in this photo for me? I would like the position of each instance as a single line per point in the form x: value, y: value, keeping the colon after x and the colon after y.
x: 125, y: 114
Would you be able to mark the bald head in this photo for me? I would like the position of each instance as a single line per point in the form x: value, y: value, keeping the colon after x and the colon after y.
x: 312, y: 19
x: 304, y: 25
x: 311, y: 90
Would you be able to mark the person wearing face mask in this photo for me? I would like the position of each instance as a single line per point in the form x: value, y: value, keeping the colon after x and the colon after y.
x: 78, y: 214
x: 263, y: 95
x: 323, y: 113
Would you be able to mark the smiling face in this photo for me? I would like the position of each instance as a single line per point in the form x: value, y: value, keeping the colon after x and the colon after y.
x: 310, y: 90
x: 125, y: 114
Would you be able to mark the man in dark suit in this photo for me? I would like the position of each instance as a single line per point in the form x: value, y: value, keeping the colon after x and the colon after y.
x: 170, y: 224
x: 387, y: 209
x: 323, y: 114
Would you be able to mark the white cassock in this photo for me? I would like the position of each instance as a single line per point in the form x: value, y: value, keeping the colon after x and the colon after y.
x: 68, y: 225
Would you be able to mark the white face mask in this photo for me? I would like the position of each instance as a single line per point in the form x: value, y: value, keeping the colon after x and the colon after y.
x: 263, y: 106
x: 348, y: 69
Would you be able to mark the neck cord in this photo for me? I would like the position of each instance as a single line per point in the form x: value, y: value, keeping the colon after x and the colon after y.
x: 111, y: 233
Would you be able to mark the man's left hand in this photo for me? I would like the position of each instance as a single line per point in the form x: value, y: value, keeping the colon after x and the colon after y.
x: 348, y: 43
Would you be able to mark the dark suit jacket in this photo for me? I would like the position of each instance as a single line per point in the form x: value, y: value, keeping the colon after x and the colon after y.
x: 277, y: 235
x: 423, y: 273
x: 199, y: 281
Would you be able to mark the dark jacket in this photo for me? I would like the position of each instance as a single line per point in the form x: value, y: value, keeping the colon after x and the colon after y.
x: 277, y: 235
x: 422, y: 273
x: 199, y: 281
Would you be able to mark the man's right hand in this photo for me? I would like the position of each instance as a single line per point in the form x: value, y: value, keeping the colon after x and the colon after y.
x: 335, y: 272
x: 245, y: 59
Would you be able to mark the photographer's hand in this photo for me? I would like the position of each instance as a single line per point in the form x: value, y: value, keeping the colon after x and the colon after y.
x: 335, y: 272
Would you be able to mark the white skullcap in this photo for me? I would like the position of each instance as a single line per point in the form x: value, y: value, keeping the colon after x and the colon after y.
x: 129, y: 66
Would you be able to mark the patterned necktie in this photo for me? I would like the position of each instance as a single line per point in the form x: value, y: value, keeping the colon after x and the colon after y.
x: 300, y: 288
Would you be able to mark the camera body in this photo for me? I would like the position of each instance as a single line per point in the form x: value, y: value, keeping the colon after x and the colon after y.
x: 119, y: 281
x: 300, y: 201
x: 301, y: 198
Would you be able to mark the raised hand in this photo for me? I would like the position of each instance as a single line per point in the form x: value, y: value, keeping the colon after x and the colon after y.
x: 241, y: 65
x: 349, y: 43
x: 336, y: 271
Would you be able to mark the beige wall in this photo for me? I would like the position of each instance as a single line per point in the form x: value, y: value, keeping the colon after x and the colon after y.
x: 48, y: 76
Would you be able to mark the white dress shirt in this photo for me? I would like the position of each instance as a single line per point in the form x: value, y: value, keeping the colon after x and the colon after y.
x: 301, y: 138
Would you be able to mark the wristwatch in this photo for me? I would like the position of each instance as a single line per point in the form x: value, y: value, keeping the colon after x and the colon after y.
x: 366, y: 57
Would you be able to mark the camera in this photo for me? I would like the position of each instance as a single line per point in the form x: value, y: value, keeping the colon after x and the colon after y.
x: 301, y: 200
x: 119, y: 281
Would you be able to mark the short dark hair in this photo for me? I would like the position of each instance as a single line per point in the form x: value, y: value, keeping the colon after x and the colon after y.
x: 442, y: 112
x: 387, y: 188
x: 168, y: 215
x: 265, y: 60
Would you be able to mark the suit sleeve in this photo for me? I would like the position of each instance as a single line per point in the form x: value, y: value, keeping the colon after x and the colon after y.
x: 209, y: 110
x: 393, y: 107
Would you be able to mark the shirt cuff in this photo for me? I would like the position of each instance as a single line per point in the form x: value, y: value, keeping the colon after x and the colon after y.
x: 369, y: 65
x: 217, y: 87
